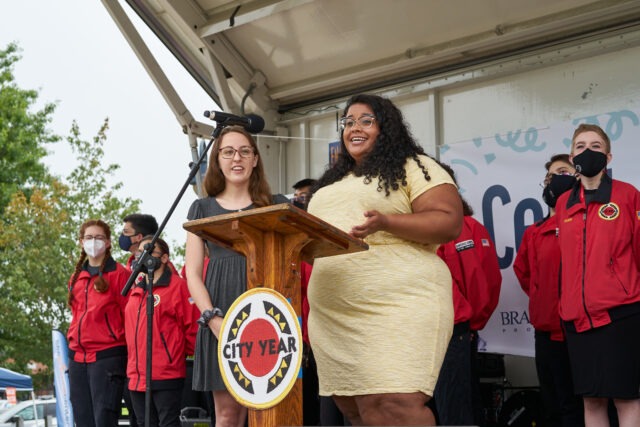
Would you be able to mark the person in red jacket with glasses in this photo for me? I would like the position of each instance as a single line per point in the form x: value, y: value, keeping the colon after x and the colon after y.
x: 537, y: 267
x: 171, y: 341
x: 97, y: 347
x: 599, y: 222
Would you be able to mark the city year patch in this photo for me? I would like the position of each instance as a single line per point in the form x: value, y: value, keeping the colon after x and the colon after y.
x: 260, y: 348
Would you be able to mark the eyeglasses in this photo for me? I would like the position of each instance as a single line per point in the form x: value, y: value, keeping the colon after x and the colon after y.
x: 365, y: 122
x: 230, y: 152
x: 96, y: 237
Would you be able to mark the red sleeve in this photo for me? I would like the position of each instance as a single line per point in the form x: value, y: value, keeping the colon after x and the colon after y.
x: 461, y: 307
x: 636, y: 229
x: 189, y: 316
x: 305, y: 274
x: 491, y: 268
x: 521, y: 265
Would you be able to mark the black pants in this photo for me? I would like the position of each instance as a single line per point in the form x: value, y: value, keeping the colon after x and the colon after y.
x: 96, y: 391
x: 310, y: 397
x: 165, y: 407
x: 453, y: 392
x: 560, y: 406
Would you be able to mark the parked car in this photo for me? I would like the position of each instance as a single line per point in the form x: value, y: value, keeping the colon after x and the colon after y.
x: 32, y: 412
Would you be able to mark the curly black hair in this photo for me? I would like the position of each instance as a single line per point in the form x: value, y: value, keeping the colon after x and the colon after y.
x: 392, y: 148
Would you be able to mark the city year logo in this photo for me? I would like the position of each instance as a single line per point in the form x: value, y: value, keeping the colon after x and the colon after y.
x: 609, y: 211
x: 260, y: 348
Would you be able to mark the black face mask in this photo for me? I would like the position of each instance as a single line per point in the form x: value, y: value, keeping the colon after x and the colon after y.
x: 557, y: 185
x: 590, y: 163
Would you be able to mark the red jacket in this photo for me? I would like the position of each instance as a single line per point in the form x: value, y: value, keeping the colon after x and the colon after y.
x: 97, y: 318
x: 537, y: 267
x: 474, y: 267
x: 305, y: 274
x: 195, y: 311
x: 172, y: 321
x: 600, y: 246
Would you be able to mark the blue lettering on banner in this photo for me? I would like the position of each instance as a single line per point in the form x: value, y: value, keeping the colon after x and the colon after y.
x: 519, y: 216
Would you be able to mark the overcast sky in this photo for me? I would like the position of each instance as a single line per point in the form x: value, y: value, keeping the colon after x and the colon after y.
x: 73, y: 54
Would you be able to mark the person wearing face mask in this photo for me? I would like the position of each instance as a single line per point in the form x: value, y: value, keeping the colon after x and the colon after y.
x: 599, y: 233
x: 172, y: 321
x: 97, y: 346
x: 135, y: 227
x: 235, y: 181
x: 537, y: 267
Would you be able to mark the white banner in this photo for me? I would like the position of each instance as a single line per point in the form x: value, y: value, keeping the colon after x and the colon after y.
x: 500, y: 176
x: 64, y: 412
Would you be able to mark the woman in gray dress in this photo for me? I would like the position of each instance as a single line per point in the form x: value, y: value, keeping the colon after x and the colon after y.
x: 235, y: 181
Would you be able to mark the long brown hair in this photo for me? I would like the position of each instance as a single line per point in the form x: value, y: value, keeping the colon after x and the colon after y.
x: 215, y: 182
x: 101, y: 284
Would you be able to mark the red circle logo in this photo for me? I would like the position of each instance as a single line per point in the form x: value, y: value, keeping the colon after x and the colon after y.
x: 257, y: 338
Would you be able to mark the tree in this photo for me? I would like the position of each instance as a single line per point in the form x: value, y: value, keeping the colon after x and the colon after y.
x: 39, y: 242
x: 23, y: 134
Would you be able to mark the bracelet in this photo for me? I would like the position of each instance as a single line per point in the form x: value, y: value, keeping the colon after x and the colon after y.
x: 207, y: 315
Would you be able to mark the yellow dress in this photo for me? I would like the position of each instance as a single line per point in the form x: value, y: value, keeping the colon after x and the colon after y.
x: 380, y: 320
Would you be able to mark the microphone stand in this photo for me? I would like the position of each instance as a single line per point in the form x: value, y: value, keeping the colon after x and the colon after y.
x: 148, y: 261
x: 151, y: 264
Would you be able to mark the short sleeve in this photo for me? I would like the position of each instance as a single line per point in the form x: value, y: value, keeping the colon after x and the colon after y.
x: 417, y: 183
x: 195, y: 211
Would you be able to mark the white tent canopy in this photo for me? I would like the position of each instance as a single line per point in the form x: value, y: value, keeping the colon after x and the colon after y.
x: 272, y: 56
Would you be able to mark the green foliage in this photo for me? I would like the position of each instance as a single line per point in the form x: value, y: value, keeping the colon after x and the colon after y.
x: 23, y: 134
x: 39, y: 242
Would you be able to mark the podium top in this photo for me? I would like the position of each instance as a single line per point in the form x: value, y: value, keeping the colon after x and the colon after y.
x: 285, y: 219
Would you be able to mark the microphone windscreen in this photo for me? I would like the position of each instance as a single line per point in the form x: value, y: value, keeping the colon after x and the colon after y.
x: 256, y: 123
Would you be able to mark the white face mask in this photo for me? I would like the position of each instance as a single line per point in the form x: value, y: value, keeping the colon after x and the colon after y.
x: 94, y: 247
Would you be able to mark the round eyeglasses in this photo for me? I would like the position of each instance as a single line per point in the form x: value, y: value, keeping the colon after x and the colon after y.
x: 365, y: 122
x: 230, y: 152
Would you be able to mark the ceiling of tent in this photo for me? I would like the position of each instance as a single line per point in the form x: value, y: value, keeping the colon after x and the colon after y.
x: 277, y: 55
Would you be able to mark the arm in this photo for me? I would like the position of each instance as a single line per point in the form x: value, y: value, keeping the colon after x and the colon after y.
x: 194, y: 261
x: 436, y: 218
x: 521, y: 266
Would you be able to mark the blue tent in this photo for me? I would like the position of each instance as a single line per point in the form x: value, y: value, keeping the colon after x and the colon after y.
x: 13, y: 379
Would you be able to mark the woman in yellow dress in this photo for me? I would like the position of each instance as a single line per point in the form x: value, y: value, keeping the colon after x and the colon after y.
x: 380, y: 320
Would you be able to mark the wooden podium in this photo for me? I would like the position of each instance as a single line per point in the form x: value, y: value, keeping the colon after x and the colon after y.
x: 275, y: 239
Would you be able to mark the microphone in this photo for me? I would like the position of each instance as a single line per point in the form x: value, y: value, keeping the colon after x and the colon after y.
x: 252, y: 122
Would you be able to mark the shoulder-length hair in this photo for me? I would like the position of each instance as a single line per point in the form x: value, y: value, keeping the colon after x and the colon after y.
x: 215, y: 182
x: 387, y: 159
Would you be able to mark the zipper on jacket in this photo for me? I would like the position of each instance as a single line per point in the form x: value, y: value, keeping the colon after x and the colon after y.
x: 86, y: 308
x: 166, y: 348
x: 615, y: 276
x: 106, y: 319
x: 584, y: 265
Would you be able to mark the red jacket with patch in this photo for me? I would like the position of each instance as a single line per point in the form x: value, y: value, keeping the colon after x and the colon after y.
x: 172, y: 323
x: 600, y: 246
x: 97, y: 318
x: 474, y: 267
x: 537, y: 267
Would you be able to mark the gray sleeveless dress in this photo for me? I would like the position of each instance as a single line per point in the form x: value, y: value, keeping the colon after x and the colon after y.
x: 225, y: 281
